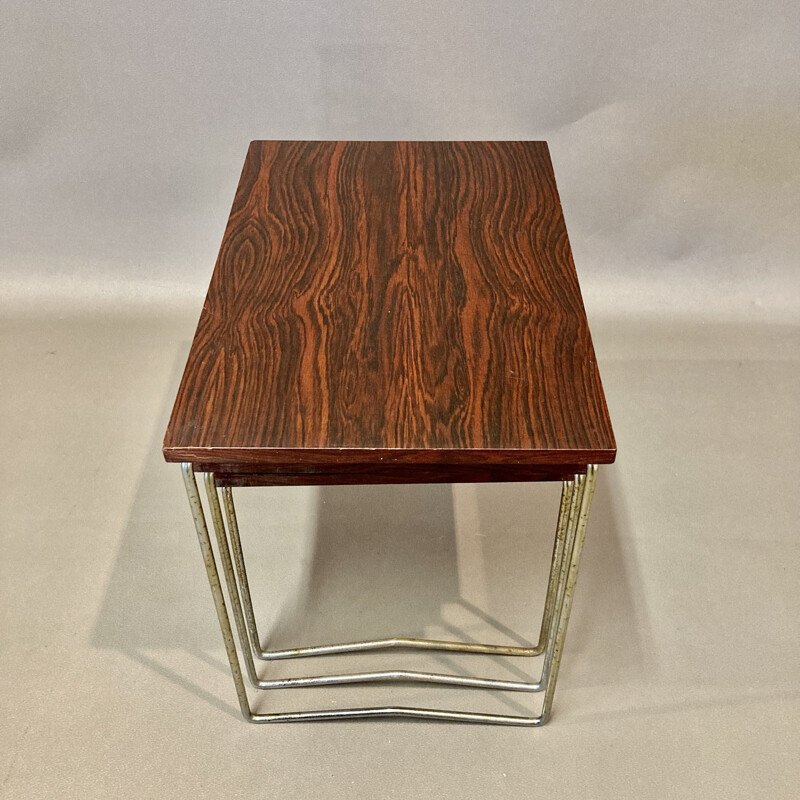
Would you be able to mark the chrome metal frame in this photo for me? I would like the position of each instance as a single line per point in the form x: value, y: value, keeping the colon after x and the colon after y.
x: 576, y: 498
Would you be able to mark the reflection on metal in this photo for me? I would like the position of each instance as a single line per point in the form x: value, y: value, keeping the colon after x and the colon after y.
x: 216, y: 589
x: 576, y: 497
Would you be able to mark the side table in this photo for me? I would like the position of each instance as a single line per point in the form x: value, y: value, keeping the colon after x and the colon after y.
x: 391, y: 312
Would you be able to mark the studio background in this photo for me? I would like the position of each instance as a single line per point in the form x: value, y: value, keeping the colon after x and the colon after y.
x: 675, y: 137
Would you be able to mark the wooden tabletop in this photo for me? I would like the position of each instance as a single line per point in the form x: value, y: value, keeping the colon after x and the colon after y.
x: 392, y: 303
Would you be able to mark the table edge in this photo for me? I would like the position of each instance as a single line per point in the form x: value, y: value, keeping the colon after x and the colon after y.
x: 253, y: 458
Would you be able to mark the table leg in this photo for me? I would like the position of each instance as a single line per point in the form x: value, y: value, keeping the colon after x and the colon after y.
x: 216, y: 589
x: 575, y: 501
x: 405, y: 643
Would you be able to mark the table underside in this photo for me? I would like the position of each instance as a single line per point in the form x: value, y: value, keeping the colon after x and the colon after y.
x: 360, y: 474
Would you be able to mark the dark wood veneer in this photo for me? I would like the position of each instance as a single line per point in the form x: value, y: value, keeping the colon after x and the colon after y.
x: 393, y: 303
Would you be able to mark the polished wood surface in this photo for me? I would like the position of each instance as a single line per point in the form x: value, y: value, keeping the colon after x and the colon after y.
x: 392, y: 303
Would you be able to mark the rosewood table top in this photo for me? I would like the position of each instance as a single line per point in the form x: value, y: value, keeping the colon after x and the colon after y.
x: 393, y: 308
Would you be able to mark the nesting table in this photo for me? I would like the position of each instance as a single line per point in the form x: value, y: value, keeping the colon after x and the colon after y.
x: 391, y: 312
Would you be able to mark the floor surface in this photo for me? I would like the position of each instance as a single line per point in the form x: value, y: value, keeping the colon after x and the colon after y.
x: 682, y: 661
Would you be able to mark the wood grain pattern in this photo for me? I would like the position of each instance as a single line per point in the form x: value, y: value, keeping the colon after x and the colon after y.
x: 393, y: 302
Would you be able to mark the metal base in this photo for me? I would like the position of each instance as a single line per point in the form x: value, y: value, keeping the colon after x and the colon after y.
x: 576, y: 498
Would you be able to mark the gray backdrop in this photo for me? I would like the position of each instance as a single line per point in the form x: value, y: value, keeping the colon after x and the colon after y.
x: 674, y: 130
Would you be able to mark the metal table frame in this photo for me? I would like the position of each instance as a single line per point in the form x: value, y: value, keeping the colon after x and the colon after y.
x: 576, y: 498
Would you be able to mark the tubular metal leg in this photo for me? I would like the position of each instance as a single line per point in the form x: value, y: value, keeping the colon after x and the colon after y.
x: 216, y: 589
x: 558, y: 633
x: 575, y: 502
x: 386, y: 676
x: 404, y: 643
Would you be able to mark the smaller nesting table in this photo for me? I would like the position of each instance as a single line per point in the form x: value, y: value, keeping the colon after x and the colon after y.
x: 391, y: 312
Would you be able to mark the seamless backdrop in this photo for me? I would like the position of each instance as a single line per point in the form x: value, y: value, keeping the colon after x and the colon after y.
x: 674, y: 129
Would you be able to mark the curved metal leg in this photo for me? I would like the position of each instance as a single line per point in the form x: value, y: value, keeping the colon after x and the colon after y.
x: 576, y: 498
